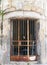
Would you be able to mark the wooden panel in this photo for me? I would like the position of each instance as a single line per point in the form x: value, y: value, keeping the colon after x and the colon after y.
x: 23, y: 58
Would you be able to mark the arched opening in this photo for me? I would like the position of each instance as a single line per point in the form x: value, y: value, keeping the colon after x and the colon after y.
x: 23, y: 39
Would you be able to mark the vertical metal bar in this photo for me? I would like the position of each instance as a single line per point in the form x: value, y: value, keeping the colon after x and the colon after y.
x: 23, y: 27
x: 32, y: 35
x: 28, y: 36
x: 18, y: 35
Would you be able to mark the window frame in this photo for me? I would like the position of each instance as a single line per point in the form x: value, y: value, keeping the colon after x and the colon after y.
x: 25, y: 58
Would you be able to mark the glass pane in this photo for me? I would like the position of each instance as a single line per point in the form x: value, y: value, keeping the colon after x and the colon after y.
x: 15, y: 50
x: 23, y: 50
x: 31, y: 29
x: 15, y: 43
x: 12, y: 50
x: 32, y: 43
x: 15, y: 29
x: 23, y: 29
x: 32, y: 50
x: 23, y: 43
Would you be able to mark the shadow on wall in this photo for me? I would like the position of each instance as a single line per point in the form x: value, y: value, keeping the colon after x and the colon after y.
x: 38, y: 41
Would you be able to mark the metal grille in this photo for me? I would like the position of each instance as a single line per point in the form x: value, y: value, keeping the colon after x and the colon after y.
x: 23, y: 41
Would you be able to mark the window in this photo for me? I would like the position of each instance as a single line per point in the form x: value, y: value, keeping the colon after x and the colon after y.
x: 23, y: 40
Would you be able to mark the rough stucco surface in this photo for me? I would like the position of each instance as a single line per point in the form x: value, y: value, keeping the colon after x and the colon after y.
x: 42, y: 34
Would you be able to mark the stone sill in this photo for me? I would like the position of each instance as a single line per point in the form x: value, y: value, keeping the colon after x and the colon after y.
x: 20, y: 63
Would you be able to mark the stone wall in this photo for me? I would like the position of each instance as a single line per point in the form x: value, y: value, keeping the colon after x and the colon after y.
x: 6, y: 37
x: 30, y: 9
